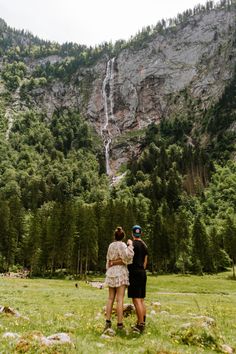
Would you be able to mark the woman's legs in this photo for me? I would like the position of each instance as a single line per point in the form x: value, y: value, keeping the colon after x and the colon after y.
x: 110, y: 301
x: 120, y: 293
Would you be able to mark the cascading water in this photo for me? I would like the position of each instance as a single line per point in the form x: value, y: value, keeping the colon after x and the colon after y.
x: 9, y: 118
x: 10, y: 112
x: 107, y: 92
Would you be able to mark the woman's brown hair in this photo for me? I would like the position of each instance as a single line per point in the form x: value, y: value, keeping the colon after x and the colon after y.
x: 119, y: 233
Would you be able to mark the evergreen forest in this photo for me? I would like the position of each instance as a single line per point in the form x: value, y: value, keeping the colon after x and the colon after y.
x: 59, y: 209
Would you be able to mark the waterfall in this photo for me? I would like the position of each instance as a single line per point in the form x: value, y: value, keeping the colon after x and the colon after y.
x: 9, y: 118
x: 10, y: 112
x: 107, y: 93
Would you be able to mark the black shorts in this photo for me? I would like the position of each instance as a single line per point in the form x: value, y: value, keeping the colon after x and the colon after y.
x: 137, y: 287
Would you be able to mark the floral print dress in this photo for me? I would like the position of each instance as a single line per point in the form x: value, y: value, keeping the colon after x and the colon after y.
x: 118, y: 275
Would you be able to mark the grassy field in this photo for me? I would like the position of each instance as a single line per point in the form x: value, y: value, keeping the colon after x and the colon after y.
x: 194, y: 315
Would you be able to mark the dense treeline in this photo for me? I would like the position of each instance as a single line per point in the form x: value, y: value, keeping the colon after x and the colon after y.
x: 72, y: 236
x: 58, y: 209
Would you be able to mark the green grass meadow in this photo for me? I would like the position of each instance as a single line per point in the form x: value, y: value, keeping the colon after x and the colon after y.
x: 180, y: 324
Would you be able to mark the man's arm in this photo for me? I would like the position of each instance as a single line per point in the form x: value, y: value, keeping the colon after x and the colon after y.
x: 117, y: 261
x: 145, y: 262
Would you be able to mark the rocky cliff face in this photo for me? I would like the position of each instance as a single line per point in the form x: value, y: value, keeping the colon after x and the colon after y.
x: 148, y: 85
x: 121, y: 96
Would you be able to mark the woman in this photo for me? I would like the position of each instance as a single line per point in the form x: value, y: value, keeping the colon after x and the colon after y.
x: 117, y: 276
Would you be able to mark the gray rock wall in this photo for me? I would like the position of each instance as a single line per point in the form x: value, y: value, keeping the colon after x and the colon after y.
x: 198, y: 57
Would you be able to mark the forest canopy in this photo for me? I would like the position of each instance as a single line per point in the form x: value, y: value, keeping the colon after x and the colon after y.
x: 58, y: 208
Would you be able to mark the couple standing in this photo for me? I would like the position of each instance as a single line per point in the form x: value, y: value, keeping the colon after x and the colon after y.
x: 126, y: 264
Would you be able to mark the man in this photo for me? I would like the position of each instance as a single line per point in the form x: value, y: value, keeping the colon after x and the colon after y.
x: 138, y: 278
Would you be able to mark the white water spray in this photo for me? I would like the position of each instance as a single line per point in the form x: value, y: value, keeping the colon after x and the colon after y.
x: 10, y: 112
x: 9, y: 118
x: 107, y: 92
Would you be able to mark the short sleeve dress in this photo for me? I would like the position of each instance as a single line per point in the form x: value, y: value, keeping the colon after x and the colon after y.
x: 118, y: 275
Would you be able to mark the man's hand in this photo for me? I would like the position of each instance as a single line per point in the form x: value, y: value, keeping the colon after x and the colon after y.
x: 117, y: 261
x: 129, y: 242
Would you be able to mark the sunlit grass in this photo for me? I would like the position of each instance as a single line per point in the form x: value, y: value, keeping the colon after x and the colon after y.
x: 52, y: 306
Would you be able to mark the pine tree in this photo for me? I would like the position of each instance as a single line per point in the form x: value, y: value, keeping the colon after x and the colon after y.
x: 155, y: 252
x: 229, y: 235
x: 202, y: 260
x: 17, y: 214
x: 4, y: 235
x: 32, y: 249
x: 182, y: 241
x: 87, y: 231
x: 219, y: 256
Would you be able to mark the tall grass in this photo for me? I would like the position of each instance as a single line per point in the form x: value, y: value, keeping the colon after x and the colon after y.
x: 178, y: 324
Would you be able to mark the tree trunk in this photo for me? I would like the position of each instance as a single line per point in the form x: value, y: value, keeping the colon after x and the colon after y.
x: 78, y: 261
x: 81, y: 265
x: 86, y: 263
x: 233, y: 265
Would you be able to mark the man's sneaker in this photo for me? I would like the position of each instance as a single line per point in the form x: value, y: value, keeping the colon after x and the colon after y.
x: 138, y: 328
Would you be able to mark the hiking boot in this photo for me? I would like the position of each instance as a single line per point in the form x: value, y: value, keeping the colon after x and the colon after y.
x: 107, y: 326
x: 120, y: 326
x: 109, y: 332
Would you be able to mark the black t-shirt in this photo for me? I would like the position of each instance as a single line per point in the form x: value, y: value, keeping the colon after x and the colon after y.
x: 140, y: 251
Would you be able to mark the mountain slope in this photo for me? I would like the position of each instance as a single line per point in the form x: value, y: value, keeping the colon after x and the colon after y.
x: 180, y: 70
